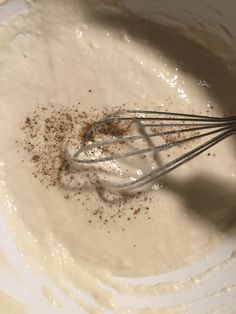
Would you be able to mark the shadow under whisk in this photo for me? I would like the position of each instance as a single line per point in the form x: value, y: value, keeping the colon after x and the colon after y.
x: 212, y: 199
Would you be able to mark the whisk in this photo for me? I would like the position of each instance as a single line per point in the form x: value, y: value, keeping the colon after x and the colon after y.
x: 177, y: 129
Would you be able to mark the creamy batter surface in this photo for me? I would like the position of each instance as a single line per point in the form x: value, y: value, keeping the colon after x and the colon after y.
x: 9, y: 305
x: 65, y: 63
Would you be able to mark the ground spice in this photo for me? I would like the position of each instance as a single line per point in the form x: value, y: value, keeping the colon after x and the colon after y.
x: 48, y: 133
x: 137, y: 211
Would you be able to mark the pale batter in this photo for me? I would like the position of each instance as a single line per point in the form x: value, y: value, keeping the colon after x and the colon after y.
x: 10, y: 305
x: 88, y: 55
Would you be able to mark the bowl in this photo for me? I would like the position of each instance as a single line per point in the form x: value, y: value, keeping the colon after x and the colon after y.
x: 208, y: 285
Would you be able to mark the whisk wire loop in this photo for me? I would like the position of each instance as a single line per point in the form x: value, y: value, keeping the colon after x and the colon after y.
x: 180, y: 127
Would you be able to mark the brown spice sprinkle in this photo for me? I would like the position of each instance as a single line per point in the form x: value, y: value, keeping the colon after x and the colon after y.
x: 137, y: 211
x: 48, y: 132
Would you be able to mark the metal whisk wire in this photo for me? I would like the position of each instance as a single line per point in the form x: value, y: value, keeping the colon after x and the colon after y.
x: 201, y: 126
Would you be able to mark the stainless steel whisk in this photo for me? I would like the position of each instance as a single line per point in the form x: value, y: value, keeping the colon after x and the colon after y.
x: 186, y: 128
